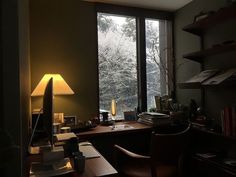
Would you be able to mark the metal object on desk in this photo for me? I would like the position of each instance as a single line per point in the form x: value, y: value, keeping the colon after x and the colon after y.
x: 65, y: 129
x: 56, y: 128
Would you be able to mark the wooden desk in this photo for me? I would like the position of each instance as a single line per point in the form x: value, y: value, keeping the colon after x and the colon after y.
x: 94, y: 167
x: 103, y: 138
x: 98, y: 167
x: 102, y: 130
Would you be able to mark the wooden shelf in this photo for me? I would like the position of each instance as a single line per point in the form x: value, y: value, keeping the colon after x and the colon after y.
x: 185, y: 85
x: 211, y: 132
x: 199, y: 55
x: 222, y: 15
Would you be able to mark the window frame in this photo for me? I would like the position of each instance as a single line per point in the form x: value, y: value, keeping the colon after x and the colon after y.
x: 140, y: 14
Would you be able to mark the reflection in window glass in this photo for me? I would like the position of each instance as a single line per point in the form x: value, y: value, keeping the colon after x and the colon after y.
x: 117, y: 62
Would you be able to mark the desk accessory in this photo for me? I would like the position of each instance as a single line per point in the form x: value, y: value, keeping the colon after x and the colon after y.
x: 70, y: 147
x: 59, y: 117
x: 105, y: 119
x: 51, y: 169
x: 56, y: 128
x: 130, y: 115
x: 79, y: 162
x: 84, y: 126
x: 70, y: 121
x: 65, y: 129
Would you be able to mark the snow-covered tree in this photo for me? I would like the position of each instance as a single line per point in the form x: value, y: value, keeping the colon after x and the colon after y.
x: 117, y: 69
x: 118, y: 61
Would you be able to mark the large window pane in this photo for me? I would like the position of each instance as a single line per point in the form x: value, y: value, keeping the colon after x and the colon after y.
x: 117, y: 62
x: 156, y: 65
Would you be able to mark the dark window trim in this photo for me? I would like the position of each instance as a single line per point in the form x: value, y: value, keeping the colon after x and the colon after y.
x: 134, y: 11
x: 140, y: 14
x: 141, y: 64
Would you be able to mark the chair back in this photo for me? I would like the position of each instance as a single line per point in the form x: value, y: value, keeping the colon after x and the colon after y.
x: 166, y: 148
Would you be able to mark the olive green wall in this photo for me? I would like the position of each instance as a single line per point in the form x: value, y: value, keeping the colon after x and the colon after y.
x: 63, y: 39
x: 215, y: 98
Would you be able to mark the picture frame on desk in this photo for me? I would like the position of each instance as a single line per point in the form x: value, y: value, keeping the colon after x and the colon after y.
x: 70, y: 121
x: 58, y: 118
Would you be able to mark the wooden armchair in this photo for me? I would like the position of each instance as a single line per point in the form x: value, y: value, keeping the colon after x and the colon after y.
x: 165, y: 160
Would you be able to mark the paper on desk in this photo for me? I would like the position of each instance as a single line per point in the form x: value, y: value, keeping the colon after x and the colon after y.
x: 56, y: 168
x: 89, y: 151
x: 121, y: 127
x: 65, y: 136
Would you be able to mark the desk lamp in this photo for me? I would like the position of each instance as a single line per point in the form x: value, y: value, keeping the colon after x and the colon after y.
x: 59, y: 87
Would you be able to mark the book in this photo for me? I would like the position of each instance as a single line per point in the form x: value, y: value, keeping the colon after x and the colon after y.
x: 220, y: 77
x: 233, y: 120
x: 202, y: 76
x: 228, y: 121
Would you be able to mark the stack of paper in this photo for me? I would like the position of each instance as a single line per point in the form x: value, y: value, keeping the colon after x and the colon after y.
x: 154, y: 119
x: 202, y: 76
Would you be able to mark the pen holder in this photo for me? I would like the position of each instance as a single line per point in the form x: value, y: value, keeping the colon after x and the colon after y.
x: 79, y: 162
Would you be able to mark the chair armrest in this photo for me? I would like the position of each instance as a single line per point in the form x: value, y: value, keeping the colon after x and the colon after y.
x: 131, y: 154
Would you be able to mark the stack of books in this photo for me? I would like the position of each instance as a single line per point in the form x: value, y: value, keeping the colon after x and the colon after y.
x: 154, y: 118
x: 228, y: 120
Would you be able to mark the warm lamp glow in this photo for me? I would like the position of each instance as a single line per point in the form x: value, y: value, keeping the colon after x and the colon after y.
x: 60, y: 87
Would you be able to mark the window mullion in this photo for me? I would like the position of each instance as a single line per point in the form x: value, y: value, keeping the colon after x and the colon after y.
x: 141, y: 57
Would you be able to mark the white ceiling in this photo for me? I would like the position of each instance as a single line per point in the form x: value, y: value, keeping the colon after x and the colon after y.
x: 168, y: 5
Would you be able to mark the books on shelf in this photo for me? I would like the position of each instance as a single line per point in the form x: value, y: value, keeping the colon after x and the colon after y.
x: 228, y: 121
x: 211, y: 77
x: 154, y: 118
x: 221, y: 76
x: 202, y: 76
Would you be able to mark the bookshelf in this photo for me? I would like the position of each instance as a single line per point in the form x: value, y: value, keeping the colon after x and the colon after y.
x: 205, y: 138
x: 222, y: 15
x: 200, y: 55
x: 209, y: 137
x: 199, y: 28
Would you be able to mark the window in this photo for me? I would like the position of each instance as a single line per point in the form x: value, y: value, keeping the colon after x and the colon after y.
x: 117, y: 62
x: 122, y: 74
x: 158, y: 59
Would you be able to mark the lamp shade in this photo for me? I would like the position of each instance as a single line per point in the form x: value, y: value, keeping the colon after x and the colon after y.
x: 60, y: 87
